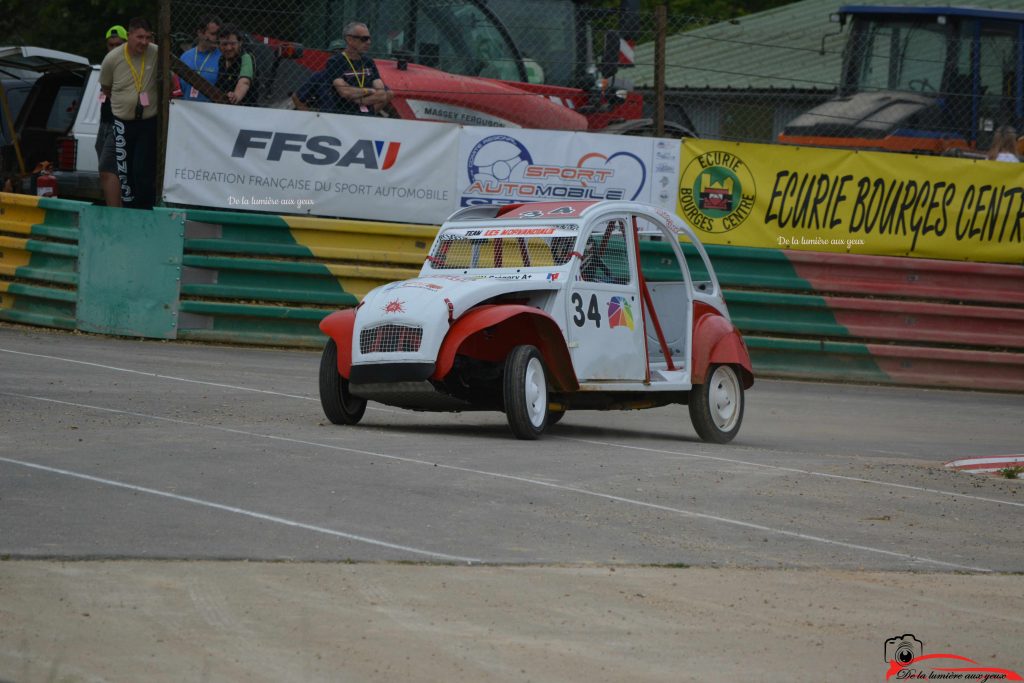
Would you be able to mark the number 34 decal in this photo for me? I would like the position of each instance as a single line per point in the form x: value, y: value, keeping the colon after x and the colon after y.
x: 593, y: 311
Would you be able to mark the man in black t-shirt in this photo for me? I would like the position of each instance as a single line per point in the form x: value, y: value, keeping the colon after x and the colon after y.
x: 355, y: 77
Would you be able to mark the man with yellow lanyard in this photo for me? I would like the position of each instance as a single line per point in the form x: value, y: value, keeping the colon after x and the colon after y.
x: 128, y: 78
x: 354, y: 75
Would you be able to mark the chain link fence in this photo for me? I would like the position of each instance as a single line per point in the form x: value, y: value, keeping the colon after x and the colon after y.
x: 558, y: 64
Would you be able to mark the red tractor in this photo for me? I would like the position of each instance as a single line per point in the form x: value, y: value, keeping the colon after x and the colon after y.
x: 479, y: 63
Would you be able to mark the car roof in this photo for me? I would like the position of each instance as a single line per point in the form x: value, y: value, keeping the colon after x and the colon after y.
x: 527, y: 210
x: 39, y: 59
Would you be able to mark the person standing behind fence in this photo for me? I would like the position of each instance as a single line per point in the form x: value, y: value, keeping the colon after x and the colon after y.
x: 1004, y: 145
x: 317, y: 93
x: 204, y: 58
x: 116, y: 36
x: 355, y: 76
x: 128, y: 77
x: 237, y: 76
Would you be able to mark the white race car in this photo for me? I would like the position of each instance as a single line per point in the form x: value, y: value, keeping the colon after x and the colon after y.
x: 536, y: 309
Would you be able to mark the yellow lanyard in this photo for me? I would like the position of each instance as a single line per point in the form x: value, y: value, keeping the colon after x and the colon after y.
x: 361, y: 76
x: 203, y: 65
x: 136, y: 75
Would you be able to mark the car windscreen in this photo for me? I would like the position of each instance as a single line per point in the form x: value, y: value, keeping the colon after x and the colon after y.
x: 503, y: 247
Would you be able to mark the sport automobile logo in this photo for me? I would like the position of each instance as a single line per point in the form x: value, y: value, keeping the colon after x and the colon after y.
x: 501, y: 170
x: 907, y: 662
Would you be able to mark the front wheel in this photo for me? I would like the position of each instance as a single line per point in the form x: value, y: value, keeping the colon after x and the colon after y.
x: 716, y: 407
x: 525, y: 390
x: 340, y: 407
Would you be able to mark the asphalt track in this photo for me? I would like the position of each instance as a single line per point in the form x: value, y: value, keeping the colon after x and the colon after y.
x: 141, y: 450
x: 116, y: 448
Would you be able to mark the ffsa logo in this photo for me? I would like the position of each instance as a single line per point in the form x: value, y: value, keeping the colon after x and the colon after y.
x: 318, y: 150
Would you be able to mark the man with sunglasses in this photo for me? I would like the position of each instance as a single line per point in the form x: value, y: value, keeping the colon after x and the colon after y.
x: 355, y: 77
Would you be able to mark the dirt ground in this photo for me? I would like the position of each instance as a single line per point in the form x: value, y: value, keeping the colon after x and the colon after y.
x: 278, y: 621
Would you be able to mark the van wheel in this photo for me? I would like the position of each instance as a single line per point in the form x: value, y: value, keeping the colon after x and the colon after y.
x: 716, y: 407
x: 525, y: 389
x: 340, y: 407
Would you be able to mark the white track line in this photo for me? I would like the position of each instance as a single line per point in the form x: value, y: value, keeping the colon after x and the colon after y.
x: 177, y: 379
x: 794, y: 470
x: 510, y: 477
x: 734, y: 461
x: 157, y: 375
x: 240, y: 511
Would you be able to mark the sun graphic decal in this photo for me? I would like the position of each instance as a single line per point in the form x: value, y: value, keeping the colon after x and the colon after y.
x: 395, y: 306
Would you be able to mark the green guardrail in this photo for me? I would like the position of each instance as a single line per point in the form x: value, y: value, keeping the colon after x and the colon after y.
x: 259, y: 279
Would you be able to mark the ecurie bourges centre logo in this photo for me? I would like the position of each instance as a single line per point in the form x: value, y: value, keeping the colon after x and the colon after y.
x: 716, y: 192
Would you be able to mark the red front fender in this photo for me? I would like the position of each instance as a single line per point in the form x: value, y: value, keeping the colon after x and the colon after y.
x: 490, y: 332
x: 338, y: 326
x: 717, y: 341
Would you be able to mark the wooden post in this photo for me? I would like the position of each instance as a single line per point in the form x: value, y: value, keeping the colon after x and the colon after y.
x: 164, y: 38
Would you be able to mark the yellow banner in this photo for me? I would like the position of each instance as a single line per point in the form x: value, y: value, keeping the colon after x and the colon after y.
x: 852, y: 202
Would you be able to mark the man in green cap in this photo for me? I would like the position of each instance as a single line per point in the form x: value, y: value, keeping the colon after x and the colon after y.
x: 116, y: 36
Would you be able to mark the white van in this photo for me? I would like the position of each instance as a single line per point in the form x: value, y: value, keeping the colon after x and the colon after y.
x: 58, y: 119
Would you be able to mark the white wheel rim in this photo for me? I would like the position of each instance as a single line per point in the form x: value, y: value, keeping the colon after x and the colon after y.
x: 724, y: 397
x: 536, y: 392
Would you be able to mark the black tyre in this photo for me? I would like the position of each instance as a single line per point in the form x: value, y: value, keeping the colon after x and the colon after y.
x: 525, y: 390
x: 716, y: 407
x: 340, y: 407
x: 555, y: 416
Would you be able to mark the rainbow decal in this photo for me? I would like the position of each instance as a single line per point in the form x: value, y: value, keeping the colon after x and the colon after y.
x: 619, y: 313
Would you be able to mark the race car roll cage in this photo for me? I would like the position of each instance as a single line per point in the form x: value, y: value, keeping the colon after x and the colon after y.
x: 598, y: 255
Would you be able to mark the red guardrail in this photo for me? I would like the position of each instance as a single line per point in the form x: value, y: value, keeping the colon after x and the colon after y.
x: 916, y: 321
x: 911, y: 278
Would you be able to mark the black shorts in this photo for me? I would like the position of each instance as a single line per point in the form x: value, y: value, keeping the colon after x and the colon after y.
x: 135, y: 157
x: 105, y: 159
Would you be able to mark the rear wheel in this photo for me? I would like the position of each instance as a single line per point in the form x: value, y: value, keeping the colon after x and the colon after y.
x: 716, y: 407
x: 525, y: 390
x: 340, y: 407
x: 554, y: 416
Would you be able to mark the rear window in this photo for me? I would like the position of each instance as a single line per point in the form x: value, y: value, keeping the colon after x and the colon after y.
x: 504, y: 247
x: 65, y: 108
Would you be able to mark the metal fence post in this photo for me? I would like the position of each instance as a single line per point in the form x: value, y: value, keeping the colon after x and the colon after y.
x: 661, y: 23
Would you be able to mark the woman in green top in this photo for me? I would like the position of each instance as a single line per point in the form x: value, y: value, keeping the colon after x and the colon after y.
x: 236, y: 76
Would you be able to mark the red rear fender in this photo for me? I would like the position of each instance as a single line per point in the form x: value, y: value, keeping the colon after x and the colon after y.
x: 716, y: 341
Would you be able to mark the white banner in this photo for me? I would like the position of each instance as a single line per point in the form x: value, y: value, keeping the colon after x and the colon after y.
x: 293, y: 162
x: 286, y: 162
x: 501, y: 167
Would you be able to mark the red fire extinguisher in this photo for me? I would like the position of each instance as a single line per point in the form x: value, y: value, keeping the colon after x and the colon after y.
x: 46, y: 183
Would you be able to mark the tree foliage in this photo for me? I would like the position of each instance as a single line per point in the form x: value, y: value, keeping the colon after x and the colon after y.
x: 75, y: 26
x: 78, y: 26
